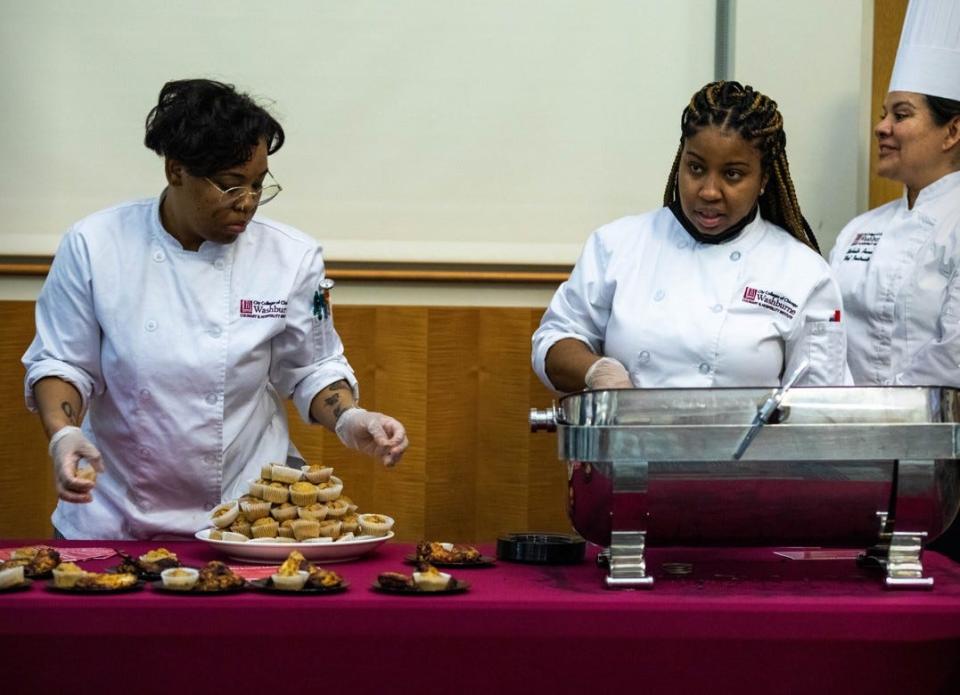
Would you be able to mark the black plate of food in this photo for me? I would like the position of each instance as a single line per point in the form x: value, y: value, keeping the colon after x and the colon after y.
x: 136, y: 586
x: 266, y: 585
x: 482, y: 561
x: 21, y: 586
x: 454, y: 587
x: 158, y: 586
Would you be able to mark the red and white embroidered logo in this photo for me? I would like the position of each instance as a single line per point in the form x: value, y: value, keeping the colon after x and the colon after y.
x: 770, y: 300
x: 263, y: 308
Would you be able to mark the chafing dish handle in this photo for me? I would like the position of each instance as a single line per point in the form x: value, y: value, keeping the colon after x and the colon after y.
x: 543, y: 419
x: 767, y: 409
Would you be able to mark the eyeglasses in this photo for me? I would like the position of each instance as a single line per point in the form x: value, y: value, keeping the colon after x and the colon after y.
x: 261, y: 196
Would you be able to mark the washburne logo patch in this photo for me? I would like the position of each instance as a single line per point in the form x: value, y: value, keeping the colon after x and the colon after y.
x: 862, y: 247
x: 263, y: 308
x: 770, y: 300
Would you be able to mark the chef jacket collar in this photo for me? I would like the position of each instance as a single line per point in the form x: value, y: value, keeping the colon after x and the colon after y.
x: 931, y: 193
x: 207, y: 250
x: 726, y: 235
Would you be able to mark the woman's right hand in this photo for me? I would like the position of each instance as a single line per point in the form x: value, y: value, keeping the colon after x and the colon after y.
x: 67, y: 447
x: 608, y: 373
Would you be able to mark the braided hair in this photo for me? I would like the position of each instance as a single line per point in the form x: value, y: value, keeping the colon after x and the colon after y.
x: 754, y: 116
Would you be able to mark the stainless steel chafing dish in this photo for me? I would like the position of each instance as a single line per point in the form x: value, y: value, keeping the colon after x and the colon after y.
x: 836, y: 467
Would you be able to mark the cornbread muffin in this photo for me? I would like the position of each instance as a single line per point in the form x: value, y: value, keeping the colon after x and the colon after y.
x: 350, y: 523
x: 286, y: 528
x: 241, y: 526
x: 284, y: 511
x: 275, y: 492
x: 224, y: 514
x: 285, y: 474
x: 266, y: 472
x: 317, y: 473
x: 351, y: 507
x: 316, y: 511
x: 305, y: 528
x: 337, y: 508
x: 264, y: 528
x: 303, y: 494
x: 256, y: 488
x: 330, y: 528
x: 375, y: 524
x: 87, y: 472
x: 330, y: 490
x: 255, y: 509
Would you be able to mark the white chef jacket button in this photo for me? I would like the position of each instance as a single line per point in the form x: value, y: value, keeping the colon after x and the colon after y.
x: 716, y: 308
x: 159, y: 256
x: 658, y: 295
x: 215, y: 332
x: 704, y: 368
x: 644, y: 357
x: 145, y: 394
x: 150, y: 325
x: 210, y: 458
x: 735, y: 256
x: 211, y: 398
x: 143, y: 452
x: 218, y: 264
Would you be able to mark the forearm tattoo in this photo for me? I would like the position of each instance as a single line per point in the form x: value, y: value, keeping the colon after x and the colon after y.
x: 333, y: 400
x: 69, y: 412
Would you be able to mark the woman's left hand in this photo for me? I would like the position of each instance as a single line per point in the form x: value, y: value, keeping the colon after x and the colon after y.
x: 374, y: 434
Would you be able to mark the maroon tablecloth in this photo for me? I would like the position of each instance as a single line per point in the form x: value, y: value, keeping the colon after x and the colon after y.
x: 744, y: 620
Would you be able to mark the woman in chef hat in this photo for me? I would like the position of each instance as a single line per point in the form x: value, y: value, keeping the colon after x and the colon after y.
x: 723, y: 286
x: 897, y: 264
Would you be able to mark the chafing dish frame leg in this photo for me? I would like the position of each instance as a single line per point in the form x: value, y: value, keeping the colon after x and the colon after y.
x: 903, y: 565
x: 628, y: 538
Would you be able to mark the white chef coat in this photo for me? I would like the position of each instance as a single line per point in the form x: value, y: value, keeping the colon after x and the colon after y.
x: 679, y: 313
x: 182, y: 359
x: 897, y: 270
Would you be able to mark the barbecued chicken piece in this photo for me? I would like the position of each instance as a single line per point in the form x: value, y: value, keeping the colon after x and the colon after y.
x: 216, y: 576
x: 446, y: 552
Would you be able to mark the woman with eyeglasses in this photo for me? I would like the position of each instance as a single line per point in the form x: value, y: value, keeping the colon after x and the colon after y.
x: 170, y: 331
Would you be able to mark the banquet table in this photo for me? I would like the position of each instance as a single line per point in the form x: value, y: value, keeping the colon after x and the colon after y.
x: 745, y: 620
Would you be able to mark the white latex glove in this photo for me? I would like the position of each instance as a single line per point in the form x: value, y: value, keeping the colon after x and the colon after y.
x: 67, y: 447
x: 607, y: 373
x: 374, y: 434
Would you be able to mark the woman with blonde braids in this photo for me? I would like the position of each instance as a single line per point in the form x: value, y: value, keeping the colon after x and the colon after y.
x: 723, y: 286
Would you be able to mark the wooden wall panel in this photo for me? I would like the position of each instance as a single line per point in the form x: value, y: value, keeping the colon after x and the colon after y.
x: 458, y: 378
x: 887, y: 22
x: 454, y: 368
x: 26, y: 474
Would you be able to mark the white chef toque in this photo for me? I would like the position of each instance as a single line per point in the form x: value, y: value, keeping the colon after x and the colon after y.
x: 928, y: 59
